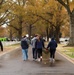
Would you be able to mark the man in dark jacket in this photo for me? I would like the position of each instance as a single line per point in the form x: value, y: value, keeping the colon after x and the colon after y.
x: 52, y: 46
x: 1, y: 46
x: 24, y: 46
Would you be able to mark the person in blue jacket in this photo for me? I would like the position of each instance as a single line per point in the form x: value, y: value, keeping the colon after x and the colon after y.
x: 39, y: 45
x: 52, y: 46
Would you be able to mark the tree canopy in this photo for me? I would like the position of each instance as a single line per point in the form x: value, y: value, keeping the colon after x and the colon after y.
x: 45, y: 17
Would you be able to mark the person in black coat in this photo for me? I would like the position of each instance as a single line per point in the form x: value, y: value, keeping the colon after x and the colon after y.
x: 1, y: 46
x: 52, y: 46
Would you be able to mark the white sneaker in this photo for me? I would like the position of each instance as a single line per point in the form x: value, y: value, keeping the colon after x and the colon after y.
x: 39, y: 59
x: 53, y: 60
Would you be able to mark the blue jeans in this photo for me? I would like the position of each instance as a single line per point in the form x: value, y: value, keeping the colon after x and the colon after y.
x: 25, y: 54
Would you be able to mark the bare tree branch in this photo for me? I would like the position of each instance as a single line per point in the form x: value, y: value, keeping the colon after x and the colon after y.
x: 1, y: 2
x: 13, y: 27
x: 4, y: 16
x: 65, y: 5
x: 45, y: 19
x: 6, y: 22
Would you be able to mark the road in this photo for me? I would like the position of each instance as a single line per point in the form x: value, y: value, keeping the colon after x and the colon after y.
x: 12, y: 64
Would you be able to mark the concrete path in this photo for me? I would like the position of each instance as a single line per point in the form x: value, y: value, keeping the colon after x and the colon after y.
x: 12, y: 64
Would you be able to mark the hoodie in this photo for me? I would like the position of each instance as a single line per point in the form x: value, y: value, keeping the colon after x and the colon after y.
x: 52, y: 44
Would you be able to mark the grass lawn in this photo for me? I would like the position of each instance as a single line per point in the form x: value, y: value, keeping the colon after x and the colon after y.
x: 71, y: 52
x: 71, y: 55
x: 68, y: 50
x: 72, y: 49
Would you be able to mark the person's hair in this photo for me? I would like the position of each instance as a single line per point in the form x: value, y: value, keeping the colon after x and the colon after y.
x: 35, y: 35
x: 24, y: 36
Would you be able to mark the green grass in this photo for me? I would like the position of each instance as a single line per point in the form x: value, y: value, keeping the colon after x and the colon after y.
x: 67, y: 50
x: 72, y: 49
x: 70, y: 52
x: 72, y: 56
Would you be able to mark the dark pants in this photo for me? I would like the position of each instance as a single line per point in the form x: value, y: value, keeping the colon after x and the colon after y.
x: 39, y: 51
x: 1, y: 48
x: 52, y: 53
x: 34, y: 52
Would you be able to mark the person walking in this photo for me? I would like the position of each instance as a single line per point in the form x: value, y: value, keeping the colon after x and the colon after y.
x: 52, y: 46
x: 39, y: 45
x: 34, y: 51
x: 24, y: 46
x: 1, y: 45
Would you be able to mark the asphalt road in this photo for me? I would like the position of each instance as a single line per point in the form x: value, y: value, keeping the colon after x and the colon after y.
x: 12, y: 64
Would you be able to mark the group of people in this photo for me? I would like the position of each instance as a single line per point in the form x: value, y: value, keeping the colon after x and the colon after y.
x: 37, y: 44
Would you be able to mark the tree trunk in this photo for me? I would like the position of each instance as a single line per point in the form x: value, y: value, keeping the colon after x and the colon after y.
x: 11, y: 35
x: 47, y: 33
x: 20, y: 30
x: 30, y: 32
x: 57, y: 36
x: 57, y: 33
x: 51, y: 34
x: 71, y: 42
x: 20, y: 34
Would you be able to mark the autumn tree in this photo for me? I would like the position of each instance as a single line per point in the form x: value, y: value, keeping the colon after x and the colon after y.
x: 32, y: 19
x: 4, y: 11
x: 34, y: 16
x: 59, y: 20
x: 36, y: 9
x: 17, y: 13
x: 70, y: 10
x: 3, y: 32
x: 51, y: 12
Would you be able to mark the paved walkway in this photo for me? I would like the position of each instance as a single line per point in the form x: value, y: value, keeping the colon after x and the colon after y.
x: 7, y: 49
x: 12, y: 64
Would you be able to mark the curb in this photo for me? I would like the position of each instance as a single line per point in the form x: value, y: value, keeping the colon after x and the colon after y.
x: 65, y: 56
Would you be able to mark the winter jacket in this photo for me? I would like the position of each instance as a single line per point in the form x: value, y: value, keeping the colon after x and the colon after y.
x: 39, y: 44
x: 24, y: 44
